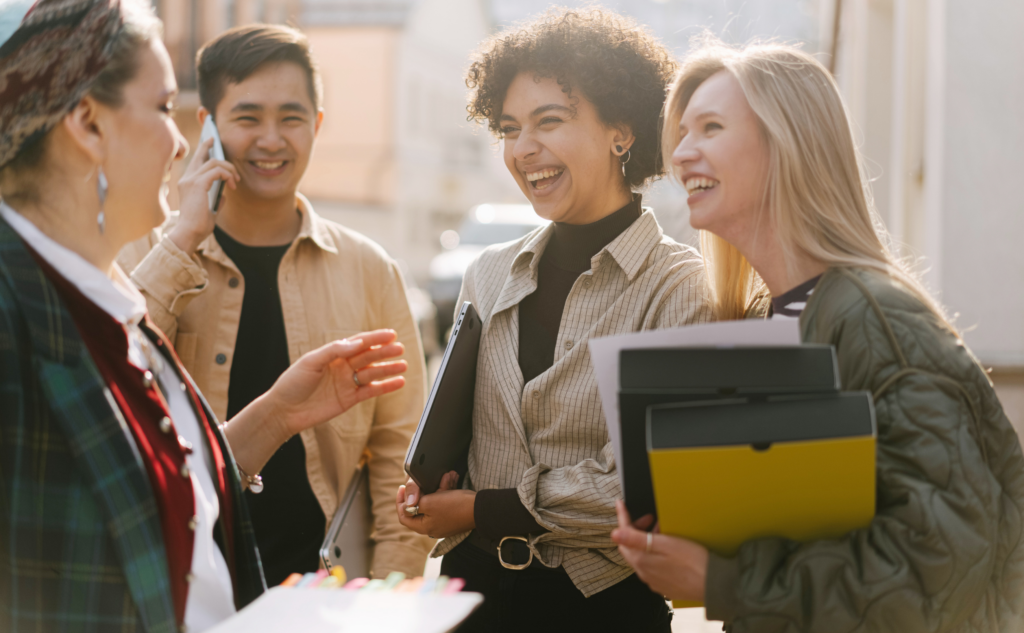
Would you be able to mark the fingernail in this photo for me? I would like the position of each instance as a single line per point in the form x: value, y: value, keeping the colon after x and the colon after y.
x: 410, y: 500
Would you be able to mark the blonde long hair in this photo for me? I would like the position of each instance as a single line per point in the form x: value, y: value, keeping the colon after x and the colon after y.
x: 817, y: 198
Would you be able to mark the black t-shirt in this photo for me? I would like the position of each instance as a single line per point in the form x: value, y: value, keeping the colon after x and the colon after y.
x: 286, y: 516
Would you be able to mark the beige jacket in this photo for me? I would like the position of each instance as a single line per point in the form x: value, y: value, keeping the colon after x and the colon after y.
x: 547, y: 438
x: 333, y: 283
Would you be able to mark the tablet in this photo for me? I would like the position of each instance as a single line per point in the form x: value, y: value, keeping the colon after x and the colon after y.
x: 348, y: 541
x: 441, y: 443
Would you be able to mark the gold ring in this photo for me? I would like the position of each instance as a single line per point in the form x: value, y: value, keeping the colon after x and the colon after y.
x: 650, y: 541
x: 355, y: 379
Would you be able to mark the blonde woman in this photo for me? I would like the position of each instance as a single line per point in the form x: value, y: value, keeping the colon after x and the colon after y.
x: 760, y: 139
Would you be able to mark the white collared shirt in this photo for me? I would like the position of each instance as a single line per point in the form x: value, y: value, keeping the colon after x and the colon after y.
x: 210, y: 595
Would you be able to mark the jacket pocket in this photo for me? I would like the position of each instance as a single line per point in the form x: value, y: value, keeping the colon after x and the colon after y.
x: 185, y: 346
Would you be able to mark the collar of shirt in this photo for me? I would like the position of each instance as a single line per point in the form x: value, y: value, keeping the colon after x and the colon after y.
x: 629, y: 250
x: 118, y: 297
x: 312, y: 228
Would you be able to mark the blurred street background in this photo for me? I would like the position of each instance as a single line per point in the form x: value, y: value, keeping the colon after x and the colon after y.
x: 935, y: 88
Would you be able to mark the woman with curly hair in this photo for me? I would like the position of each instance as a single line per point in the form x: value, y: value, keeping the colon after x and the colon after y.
x: 576, y: 99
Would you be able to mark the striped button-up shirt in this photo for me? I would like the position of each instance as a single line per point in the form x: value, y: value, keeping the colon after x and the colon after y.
x: 547, y: 438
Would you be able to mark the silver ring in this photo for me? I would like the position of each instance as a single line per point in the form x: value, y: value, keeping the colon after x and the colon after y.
x: 355, y: 379
x: 412, y: 510
x: 650, y: 541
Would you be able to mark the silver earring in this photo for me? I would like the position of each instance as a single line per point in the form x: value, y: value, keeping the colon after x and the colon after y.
x: 101, y: 191
x: 628, y: 156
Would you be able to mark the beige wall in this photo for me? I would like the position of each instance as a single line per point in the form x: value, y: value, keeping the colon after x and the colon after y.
x: 354, y: 160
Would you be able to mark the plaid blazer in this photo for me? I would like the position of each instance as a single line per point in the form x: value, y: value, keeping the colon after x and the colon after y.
x: 81, y: 547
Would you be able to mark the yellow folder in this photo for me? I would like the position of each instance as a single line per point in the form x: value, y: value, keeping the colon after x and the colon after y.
x: 722, y: 496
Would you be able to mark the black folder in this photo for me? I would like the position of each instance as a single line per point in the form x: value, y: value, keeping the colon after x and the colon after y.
x: 675, y: 375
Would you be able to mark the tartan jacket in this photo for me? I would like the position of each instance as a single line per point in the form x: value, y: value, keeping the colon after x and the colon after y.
x: 81, y: 546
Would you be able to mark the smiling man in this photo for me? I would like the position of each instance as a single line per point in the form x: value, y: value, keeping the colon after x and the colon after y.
x: 245, y: 292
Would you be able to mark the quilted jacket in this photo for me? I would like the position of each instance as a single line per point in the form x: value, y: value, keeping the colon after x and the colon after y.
x: 944, y: 552
x: 81, y: 546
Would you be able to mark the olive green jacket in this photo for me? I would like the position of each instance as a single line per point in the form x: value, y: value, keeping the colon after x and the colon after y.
x: 944, y: 551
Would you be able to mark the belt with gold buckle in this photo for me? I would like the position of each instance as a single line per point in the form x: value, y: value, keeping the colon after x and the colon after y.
x: 513, y: 565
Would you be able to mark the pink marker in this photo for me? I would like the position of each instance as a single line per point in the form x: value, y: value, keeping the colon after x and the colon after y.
x: 320, y: 575
x: 454, y: 585
x: 356, y: 583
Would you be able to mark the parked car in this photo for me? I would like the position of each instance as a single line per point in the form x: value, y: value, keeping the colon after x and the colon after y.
x: 485, y: 224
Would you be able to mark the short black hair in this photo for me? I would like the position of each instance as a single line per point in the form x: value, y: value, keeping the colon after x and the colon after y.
x: 617, y: 65
x: 239, y: 52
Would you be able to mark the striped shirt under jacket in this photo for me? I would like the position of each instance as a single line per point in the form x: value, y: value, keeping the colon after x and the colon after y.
x: 548, y: 438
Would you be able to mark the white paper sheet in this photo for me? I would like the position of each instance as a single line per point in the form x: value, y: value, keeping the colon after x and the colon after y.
x: 285, y: 609
x: 604, y: 354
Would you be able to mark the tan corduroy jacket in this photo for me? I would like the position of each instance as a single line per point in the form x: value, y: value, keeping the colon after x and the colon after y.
x: 547, y: 438
x: 333, y: 283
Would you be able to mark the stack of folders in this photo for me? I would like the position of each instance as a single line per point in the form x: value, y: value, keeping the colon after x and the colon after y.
x: 745, y: 443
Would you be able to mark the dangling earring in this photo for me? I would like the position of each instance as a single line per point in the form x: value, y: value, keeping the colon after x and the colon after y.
x: 623, y: 161
x: 101, y: 191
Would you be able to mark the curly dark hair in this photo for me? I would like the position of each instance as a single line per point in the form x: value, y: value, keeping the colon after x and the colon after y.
x: 613, y: 62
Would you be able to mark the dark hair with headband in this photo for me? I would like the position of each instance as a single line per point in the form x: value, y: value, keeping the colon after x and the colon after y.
x: 138, y: 25
x: 239, y: 52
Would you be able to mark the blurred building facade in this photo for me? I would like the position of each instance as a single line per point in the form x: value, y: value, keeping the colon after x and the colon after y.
x: 935, y: 88
x: 396, y: 158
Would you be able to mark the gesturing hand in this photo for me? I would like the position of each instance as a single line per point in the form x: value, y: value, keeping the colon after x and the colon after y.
x: 444, y: 513
x: 320, y: 385
x: 196, y: 221
x: 671, y: 567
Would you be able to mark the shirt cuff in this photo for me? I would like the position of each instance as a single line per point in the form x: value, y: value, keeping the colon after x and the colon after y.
x: 170, y: 276
x: 500, y: 513
x: 720, y: 588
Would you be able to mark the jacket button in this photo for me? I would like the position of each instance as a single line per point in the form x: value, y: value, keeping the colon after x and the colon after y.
x: 184, y: 471
x: 189, y: 577
x: 185, y: 445
x: 233, y: 282
x: 165, y: 424
x: 536, y: 393
x: 147, y: 379
x: 192, y: 523
x: 586, y: 284
x: 221, y: 359
x: 568, y: 345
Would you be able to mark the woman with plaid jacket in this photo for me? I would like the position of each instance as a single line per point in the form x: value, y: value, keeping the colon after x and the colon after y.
x: 121, y: 503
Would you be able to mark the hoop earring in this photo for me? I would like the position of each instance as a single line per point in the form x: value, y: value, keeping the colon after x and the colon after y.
x: 628, y: 156
x: 101, y: 192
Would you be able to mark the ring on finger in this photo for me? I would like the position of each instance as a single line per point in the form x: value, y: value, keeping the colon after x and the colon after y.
x: 412, y: 510
x: 355, y: 379
x: 650, y: 541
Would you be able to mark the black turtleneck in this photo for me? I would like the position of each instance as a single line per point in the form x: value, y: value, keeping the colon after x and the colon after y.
x: 566, y: 257
x: 500, y: 513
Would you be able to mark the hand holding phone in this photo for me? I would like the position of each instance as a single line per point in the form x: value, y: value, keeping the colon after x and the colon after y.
x: 200, y: 190
x: 216, y: 153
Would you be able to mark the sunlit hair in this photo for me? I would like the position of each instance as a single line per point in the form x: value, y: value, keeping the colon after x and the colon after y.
x: 816, y: 196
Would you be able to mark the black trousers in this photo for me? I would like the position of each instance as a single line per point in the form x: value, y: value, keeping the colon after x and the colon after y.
x: 539, y: 599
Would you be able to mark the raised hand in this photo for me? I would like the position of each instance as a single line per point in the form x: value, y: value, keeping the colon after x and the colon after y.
x: 196, y: 221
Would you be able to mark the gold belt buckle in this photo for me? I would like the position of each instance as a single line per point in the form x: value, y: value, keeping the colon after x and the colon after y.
x: 510, y: 565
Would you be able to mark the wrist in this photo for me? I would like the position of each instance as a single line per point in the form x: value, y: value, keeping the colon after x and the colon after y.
x: 186, y: 239
x: 276, y: 420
